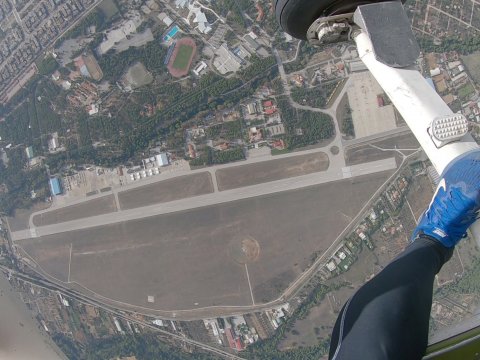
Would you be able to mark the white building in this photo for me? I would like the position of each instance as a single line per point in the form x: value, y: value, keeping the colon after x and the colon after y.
x: 92, y: 109
x: 53, y: 142
x: 157, y: 322
x: 165, y: 19
x: 331, y: 266
x: 161, y: 159
x: 435, y: 72
x: 200, y: 67
x: 200, y: 19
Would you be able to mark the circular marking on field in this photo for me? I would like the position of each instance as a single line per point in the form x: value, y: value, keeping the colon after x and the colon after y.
x: 334, y: 150
x: 244, y: 249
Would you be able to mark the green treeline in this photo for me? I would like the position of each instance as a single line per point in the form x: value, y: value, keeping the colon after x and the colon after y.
x: 34, y: 117
x: 152, y: 55
x: 47, y: 66
x: 20, y: 182
x: 211, y: 92
x: 469, y: 283
x: 463, y: 46
x: 213, y: 156
x: 304, y: 128
x: 230, y: 130
x: 315, y: 97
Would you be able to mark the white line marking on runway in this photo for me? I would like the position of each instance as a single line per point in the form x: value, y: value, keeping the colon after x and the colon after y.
x: 249, y: 285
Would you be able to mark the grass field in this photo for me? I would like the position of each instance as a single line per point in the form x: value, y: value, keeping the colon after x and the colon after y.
x: 183, y: 57
x: 109, y: 8
x: 465, y: 91
x: 472, y: 62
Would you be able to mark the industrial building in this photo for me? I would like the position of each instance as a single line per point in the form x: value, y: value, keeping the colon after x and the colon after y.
x: 226, y: 61
x: 55, y: 187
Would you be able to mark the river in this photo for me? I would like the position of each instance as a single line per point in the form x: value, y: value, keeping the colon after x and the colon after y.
x: 20, y: 336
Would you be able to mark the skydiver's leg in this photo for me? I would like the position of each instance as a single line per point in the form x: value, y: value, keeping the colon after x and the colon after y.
x: 388, y: 317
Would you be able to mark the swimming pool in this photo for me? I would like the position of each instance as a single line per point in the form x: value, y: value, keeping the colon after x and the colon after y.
x: 173, y: 31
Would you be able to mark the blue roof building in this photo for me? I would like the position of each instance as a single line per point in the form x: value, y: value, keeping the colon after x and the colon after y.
x: 55, y: 186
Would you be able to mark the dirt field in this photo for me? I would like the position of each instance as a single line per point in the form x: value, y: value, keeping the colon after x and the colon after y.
x: 245, y: 175
x: 419, y: 195
x: 168, y: 190
x: 180, y: 67
x: 185, y: 258
x: 102, y: 205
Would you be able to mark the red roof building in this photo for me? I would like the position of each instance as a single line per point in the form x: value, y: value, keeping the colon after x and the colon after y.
x: 231, y: 341
x: 239, y: 344
x: 267, y: 103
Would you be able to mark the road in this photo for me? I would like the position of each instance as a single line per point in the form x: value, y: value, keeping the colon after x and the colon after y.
x: 332, y: 174
x: 330, y: 111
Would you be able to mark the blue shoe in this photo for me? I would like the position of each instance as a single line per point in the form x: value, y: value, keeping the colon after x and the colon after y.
x: 456, y: 202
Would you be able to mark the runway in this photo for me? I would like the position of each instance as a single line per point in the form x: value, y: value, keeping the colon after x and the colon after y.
x: 332, y: 174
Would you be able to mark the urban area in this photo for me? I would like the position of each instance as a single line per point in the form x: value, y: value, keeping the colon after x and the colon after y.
x: 180, y: 179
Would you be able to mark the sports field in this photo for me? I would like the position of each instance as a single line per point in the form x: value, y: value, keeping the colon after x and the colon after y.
x: 183, y: 57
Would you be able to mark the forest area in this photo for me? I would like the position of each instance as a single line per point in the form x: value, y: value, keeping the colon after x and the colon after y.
x: 304, y: 128
x: 315, y: 96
